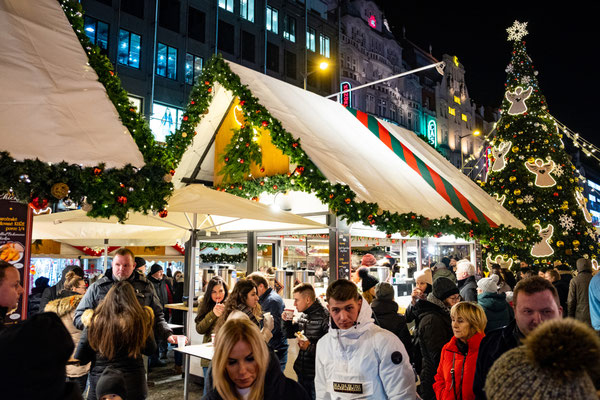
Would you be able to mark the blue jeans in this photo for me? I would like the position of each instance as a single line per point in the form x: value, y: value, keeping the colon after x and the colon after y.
x: 282, y: 356
x: 206, y: 381
x: 309, y: 386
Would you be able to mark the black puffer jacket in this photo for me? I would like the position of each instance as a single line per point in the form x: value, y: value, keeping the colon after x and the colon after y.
x: 468, y: 289
x: 145, y: 294
x: 315, y: 324
x: 387, y: 317
x: 277, y: 386
x: 434, y: 329
x: 160, y: 287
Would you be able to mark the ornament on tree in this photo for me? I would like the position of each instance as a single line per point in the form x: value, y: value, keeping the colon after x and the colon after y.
x: 543, y: 248
x: 542, y: 172
x: 566, y: 222
x: 498, y: 260
x: 499, y: 153
x: 517, y: 100
x: 528, y: 199
x: 517, y: 31
x: 581, y: 203
x: 163, y: 213
x: 59, y: 190
x: 500, y: 199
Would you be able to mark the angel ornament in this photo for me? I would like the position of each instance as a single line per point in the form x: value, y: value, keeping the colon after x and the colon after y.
x: 504, y: 264
x: 517, y: 100
x: 499, y: 153
x: 581, y: 203
x: 542, y: 171
x: 543, y: 248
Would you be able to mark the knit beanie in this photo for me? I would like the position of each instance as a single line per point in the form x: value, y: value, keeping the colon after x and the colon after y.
x: 424, y: 275
x: 368, y: 281
x: 553, y: 363
x: 489, y: 284
x: 111, y: 382
x: 384, y: 291
x: 368, y: 260
x: 154, y: 269
x: 139, y: 262
x: 444, y: 288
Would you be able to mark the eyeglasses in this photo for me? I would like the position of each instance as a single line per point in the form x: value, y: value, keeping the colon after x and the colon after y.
x: 455, y: 297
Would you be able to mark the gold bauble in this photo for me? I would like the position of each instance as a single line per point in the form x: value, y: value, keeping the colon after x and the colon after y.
x: 560, y: 243
x: 519, y: 201
x: 531, y: 160
x: 559, y: 187
x: 551, y: 211
x: 564, y: 207
x: 573, y: 213
x: 576, y: 243
x: 512, y: 178
x: 591, y: 247
x: 517, y: 192
x: 507, y: 191
x: 515, y: 149
x: 537, y: 221
x: 510, y: 202
x: 496, y: 248
x: 60, y: 190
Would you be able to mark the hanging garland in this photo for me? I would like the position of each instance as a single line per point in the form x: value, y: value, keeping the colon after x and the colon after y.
x: 239, y: 153
x: 224, y: 258
x: 307, y: 177
x: 102, y: 192
x: 220, y: 246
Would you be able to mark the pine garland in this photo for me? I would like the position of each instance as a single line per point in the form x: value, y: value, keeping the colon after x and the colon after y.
x: 224, y: 258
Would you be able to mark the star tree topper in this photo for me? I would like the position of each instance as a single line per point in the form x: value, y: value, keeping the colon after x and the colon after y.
x: 517, y: 32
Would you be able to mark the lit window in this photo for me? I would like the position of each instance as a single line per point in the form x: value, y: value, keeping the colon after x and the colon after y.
x: 324, y: 45
x: 166, y: 61
x: 289, y: 28
x: 164, y: 121
x: 97, y: 31
x: 456, y: 99
x: 193, y: 68
x: 247, y: 9
x: 129, y: 49
x: 592, y: 198
x: 272, y: 19
x: 137, y: 103
x: 311, y: 39
x: 464, y: 117
x: 451, y: 111
x: 226, y: 5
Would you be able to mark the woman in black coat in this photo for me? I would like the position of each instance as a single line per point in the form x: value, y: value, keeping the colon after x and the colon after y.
x: 386, y: 314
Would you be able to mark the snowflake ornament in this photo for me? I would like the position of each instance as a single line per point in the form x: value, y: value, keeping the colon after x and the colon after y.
x: 558, y: 170
x: 528, y: 199
x: 509, y: 69
x: 517, y: 32
x: 526, y: 80
x: 566, y: 222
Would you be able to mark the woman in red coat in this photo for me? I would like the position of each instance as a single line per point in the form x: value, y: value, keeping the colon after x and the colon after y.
x: 454, y: 378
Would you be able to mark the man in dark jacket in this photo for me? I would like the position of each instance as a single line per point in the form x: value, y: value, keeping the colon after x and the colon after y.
x: 386, y: 314
x: 467, y: 285
x: 156, y: 277
x: 52, y: 292
x: 33, y: 302
x: 271, y: 302
x: 535, y: 300
x: 578, y: 305
x: 123, y: 269
x: 434, y: 329
x: 314, y: 323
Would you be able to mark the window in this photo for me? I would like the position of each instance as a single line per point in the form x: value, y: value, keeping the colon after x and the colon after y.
x: 97, y: 31
x: 451, y: 111
x: 393, y: 113
x: 290, y: 64
x: 226, y: 5
x: 129, y: 48
x: 137, y: 103
x: 168, y: 15
x: 133, y: 7
x: 247, y: 9
x: 289, y: 28
x: 272, y: 57
x: 248, y: 46
x: 166, y: 61
x: 456, y: 100
x: 272, y: 20
x: 310, y: 39
x: 193, y: 68
x: 164, y: 120
x: 226, y: 36
x: 464, y: 117
x: 196, y: 23
x: 381, y: 108
x: 324, y: 45
x: 410, y: 123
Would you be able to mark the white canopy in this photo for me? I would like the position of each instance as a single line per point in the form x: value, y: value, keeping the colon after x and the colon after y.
x: 211, y: 210
x: 345, y: 151
x: 52, y: 106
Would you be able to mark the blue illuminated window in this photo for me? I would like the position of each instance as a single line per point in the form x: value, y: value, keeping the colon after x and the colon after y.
x: 324, y: 45
x: 193, y: 68
x: 289, y: 28
x: 272, y: 19
x: 166, y: 61
x: 226, y: 4
x: 97, y: 31
x: 247, y: 9
x: 311, y: 39
x: 129, y: 48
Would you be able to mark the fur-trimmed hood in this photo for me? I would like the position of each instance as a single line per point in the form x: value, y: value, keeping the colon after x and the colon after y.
x: 64, y: 305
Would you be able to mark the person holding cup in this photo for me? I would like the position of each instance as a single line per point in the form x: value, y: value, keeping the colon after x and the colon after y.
x: 209, y: 310
x: 311, y: 326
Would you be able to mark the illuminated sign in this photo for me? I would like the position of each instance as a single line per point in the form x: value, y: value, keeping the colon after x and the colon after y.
x: 346, y: 98
x: 372, y: 21
x: 432, y: 132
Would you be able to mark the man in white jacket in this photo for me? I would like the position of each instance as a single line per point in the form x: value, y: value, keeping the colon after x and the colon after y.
x: 357, y: 359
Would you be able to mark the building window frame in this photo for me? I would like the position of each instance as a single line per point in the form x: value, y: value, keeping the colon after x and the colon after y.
x: 126, y: 57
x: 247, y: 10
x: 193, y: 68
x: 289, y: 28
x: 93, y: 33
x: 226, y: 5
x: 168, y: 69
x: 324, y: 45
x: 272, y: 22
x: 311, y: 39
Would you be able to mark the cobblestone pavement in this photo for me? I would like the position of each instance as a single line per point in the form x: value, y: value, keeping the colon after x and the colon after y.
x: 164, y: 383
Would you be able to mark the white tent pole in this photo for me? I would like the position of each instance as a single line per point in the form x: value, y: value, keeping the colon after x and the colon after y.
x: 105, y: 254
x: 223, y: 223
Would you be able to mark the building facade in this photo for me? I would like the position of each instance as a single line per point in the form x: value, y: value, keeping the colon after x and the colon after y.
x: 158, y: 47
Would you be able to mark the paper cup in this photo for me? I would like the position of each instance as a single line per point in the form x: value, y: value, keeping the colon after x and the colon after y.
x: 212, y: 337
x: 288, y: 313
x: 180, y: 341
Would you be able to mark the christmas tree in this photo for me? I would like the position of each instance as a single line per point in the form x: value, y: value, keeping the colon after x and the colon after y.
x: 531, y: 174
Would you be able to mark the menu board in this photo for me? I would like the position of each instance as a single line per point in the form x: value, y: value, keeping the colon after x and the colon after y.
x: 15, y: 245
x: 343, y: 249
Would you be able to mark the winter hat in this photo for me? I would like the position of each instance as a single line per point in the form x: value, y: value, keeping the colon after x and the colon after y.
x: 552, y: 364
x: 424, y: 275
x: 384, y: 291
x: 111, y: 382
x: 446, y: 262
x: 444, y: 288
x: 368, y: 281
x: 42, y: 282
x: 139, y: 262
x: 439, y: 265
x: 465, y: 266
x: 154, y: 269
x: 489, y: 284
x: 368, y: 260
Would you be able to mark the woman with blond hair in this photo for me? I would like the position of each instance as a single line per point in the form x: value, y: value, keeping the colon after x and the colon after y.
x: 117, y: 333
x: 455, y: 373
x: 244, y: 368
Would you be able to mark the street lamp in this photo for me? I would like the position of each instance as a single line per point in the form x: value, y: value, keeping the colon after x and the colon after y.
x: 323, y: 65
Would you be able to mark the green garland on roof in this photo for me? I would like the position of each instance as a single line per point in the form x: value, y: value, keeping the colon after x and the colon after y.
x: 307, y: 177
x: 224, y: 258
x: 101, y: 191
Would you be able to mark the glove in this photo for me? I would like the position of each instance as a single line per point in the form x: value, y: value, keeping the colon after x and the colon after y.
x: 268, y: 322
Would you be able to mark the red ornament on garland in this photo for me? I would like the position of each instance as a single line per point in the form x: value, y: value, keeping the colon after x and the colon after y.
x: 209, y: 90
x: 206, y: 83
x: 226, y: 159
x: 294, y: 145
x: 555, y: 194
x: 347, y: 200
x: 163, y: 213
x: 242, y: 102
x: 265, y: 123
x: 97, y: 171
x: 262, y: 170
x: 185, y: 117
x: 262, y: 183
x: 275, y: 187
x: 331, y: 196
x: 38, y: 203
x: 241, y: 160
x: 122, y: 200
x: 192, y: 102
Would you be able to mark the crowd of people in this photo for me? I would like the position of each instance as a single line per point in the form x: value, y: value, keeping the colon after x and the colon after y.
x: 472, y: 336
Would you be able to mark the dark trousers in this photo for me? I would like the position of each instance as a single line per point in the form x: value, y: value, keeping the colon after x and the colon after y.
x: 309, y: 385
x: 81, y: 382
x: 282, y: 356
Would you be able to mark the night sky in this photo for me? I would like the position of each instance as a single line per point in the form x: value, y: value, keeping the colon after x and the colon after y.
x: 562, y: 42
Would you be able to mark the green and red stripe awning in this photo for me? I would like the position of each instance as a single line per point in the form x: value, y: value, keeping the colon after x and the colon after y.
x: 441, y: 185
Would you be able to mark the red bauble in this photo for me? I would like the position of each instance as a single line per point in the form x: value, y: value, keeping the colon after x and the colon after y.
x: 38, y: 203
x: 274, y: 187
x: 262, y: 183
x: 209, y: 90
x: 226, y: 159
x: 206, y: 83
x: 294, y: 145
x: 185, y: 117
x: 242, y: 102
x: 163, y: 213
x: 241, y: 160
x: 122, y: 200
x: 555, y: 194
x: 347, y: 200
x: 265, y: 123
x: 262, y: 170
x: 97, y: 171
x: 331, y: 196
